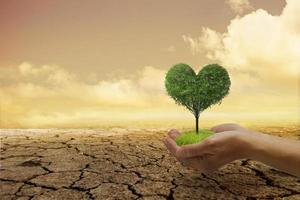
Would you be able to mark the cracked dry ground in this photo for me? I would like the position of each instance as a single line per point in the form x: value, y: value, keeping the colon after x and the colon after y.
x: 123, y: 164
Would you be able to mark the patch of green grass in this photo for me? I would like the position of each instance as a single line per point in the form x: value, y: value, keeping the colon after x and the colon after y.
x: 192, y: 137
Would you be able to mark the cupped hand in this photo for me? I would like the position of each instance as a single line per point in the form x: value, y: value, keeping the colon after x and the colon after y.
x: 226, y: 145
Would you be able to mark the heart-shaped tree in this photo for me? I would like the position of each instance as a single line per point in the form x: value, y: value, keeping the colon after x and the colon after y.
x: 197, y: 92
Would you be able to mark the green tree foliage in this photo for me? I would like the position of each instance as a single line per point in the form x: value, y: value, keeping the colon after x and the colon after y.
x: 197, y: 92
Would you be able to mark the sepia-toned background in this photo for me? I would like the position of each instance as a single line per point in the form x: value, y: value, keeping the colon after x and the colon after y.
x: 102, y: 63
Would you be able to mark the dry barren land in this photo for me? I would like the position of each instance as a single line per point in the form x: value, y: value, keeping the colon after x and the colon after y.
x: 125, y: 164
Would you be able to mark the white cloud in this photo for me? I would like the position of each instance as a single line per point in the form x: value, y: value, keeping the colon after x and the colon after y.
x: 209, y: 40
x: 256, y: 44
x: 290, y: 16
x: 44, y: 92
x: 152, y: 80
x: 194, y: 44
x: 36, y: 81
x: 239, y: 6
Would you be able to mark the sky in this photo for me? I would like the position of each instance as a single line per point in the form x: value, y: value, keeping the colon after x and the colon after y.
x: 103, y: 63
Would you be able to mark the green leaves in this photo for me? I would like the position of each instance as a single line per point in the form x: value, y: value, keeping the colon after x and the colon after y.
x: 197, y: 91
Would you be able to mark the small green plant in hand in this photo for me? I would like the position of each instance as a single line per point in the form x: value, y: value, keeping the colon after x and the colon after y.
x: 192, y: 137
x: 197, y: 92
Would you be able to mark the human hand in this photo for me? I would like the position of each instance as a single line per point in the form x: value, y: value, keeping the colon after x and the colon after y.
x: 226, y: 145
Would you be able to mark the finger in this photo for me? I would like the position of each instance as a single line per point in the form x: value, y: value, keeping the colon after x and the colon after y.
x: 193, y: 150
x: 173, y: 133
x: 166, y: 144
x: 225, y: 127
x: 171, y: 145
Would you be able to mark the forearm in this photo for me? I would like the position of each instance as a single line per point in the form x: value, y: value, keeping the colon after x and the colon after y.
x: 281, y: 153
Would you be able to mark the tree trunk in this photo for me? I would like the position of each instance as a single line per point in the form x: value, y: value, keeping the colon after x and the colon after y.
x: 197, y: 123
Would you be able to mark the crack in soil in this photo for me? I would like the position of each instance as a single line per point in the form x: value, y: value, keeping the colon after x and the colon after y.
x: 172, y: 189
x: 270, y: 182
